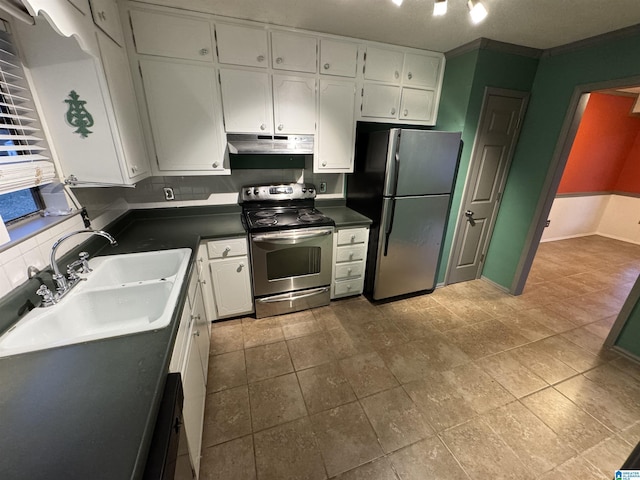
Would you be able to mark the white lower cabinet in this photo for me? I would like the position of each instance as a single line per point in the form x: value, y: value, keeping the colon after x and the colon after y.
x: 230, y: 278
x: 190, y: 358
x: 349, y: 260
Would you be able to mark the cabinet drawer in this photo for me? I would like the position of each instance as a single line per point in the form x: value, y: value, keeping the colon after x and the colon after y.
x: 172, y: 36
x: 349, y: 253
x: 349, y: 270
x: 352, y: 235
x: 231, y: 247
x: 349, y: 287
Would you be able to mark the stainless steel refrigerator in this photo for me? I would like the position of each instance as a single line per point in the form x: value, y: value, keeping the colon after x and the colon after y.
x: 403, y: 180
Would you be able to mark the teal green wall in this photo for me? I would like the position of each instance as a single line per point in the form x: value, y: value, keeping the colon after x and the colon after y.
x: 466, y: 77
x: 555, y: 81
x: 629, y: 337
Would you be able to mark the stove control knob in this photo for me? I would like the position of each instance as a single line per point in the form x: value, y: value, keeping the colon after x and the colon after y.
x: 304, y: 190
x: 256, y: 191
x: 310, y: 190
x: 248, y: 192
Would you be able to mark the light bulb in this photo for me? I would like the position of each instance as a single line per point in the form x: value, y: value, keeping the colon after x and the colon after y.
x: 439, y: 7
x: 477, y: 11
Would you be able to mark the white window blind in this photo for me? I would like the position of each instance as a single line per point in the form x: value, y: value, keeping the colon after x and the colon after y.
x: 24, y: 157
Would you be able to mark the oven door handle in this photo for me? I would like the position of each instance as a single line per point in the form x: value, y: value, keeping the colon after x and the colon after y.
x: 286, y: 297
x: 290, y: 237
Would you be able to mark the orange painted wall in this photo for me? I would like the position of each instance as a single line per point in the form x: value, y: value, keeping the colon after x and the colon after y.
x: 603, y: 152
x: 629, y: 179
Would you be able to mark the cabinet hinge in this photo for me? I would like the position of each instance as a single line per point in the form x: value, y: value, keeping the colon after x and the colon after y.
x: 499, y: 197
x: 219, y: 78
x: 133, y: 33
x: 140, y: 70
x: 482, y: 258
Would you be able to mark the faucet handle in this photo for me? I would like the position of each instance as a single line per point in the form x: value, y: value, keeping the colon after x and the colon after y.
x: 84, y: 259
x: 46, y: 294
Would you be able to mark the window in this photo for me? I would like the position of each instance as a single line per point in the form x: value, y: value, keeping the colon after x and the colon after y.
x: 24, y: 162
x: 20, y: 204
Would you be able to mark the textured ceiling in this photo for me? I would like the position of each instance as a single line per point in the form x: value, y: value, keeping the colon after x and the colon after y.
x: 532, y: 23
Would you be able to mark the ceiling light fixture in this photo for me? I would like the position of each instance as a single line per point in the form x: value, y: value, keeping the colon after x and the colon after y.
x: 397, y: 2
x: 439, y: 8
x: 477, y: 11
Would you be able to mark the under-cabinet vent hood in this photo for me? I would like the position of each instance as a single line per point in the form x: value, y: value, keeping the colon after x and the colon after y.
x: 270, y: 144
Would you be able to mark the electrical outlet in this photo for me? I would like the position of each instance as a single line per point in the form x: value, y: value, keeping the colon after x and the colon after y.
x: 547, y: 223
x: 323, y: 187
x: 168, y: 193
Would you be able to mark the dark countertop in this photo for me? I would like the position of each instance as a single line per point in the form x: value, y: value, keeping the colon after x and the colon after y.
x: 87, y: 411
x: 345, y: 217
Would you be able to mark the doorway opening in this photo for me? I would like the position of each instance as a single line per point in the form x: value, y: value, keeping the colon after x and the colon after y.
x: 588, y: 256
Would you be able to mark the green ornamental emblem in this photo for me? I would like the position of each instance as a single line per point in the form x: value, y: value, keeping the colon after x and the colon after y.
x: 78, y: 116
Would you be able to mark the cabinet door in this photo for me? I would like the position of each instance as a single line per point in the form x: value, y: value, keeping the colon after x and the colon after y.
x: 336, y: 126
x: 421, y: 70
x: 201, y: 332
x: 193, y: 385
x: 105, y: 15
x: 125, y: 107
x: 182, y: 103
x: 205, y: 285
x: 291, y: 51
x: 241, y: 45
x: 380, y: 101
x: 246, y: 101
x: 171, y: 36
x: 383, y: 65
x: 338, y: 58
x: 232, y: 286
x: 294, y: 104
x: 82, y: 5
x: 417, y: 105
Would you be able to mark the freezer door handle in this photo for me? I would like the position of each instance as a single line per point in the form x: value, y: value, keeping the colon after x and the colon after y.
x: 388, y: 221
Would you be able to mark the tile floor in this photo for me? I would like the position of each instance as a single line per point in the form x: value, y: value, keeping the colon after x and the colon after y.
x: 465, y: 383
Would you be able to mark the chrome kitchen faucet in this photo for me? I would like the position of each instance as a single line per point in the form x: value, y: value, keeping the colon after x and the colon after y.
x: 65, y: 284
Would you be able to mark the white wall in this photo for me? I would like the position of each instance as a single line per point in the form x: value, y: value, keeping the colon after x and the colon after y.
x: 609, y: 215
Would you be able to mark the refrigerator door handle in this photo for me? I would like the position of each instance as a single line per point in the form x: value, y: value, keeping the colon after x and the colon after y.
x: 393, y: 163
x: 389, y: 226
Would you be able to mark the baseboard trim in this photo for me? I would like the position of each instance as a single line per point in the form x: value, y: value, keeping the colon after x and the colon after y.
x: 497, y: 285
x: 626, y: 354
x: 614, y: 237
x: 567, y: 237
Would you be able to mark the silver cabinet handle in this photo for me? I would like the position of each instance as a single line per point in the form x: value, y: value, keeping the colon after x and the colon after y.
x: 396, y: 74
x: 215, y: 164
x: 260, y: 58
x: 353, y: 238
x: 263, y: 126
x: 410, y: 76
x: 393, y: 111
x: 204, y: 51
x: 351, y: 256
x: 326, y: 66
x: 280, y: 127
x: 279, y: 60
x: 406, y: 112
x: 324, y: 164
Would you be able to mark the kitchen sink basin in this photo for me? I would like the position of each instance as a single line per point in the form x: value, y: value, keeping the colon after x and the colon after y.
x: 136, y: 267
x: 125, y: 294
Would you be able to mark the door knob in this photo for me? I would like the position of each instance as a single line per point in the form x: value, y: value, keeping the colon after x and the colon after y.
x: 468, y: 213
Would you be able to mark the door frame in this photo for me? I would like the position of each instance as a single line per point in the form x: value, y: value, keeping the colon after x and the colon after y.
x: 457, y: 235
x: 559, y: 159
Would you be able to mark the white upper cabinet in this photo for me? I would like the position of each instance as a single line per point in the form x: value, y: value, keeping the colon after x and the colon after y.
x: 338, y: 58
x: 172, y: 36
x: 246, y: 101
x: 336, y: 126
x: 380, y: 101
x: 294, y: 52
x: 417, y: 105
x: 421, y: 70
x: 383, y: 65
x: 294, y: 104
x: 82, y: 5
x: 105, y: 15
x: 242, y: 45
x: 184, y: 114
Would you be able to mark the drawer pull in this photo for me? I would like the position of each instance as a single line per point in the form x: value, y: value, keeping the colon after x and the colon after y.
x: 204, y: 51
x: 351, y: 256
x: 260, y: 58
x: 349, y: 271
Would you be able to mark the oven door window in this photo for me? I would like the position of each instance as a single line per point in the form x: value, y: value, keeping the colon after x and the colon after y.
x: 294, y: 262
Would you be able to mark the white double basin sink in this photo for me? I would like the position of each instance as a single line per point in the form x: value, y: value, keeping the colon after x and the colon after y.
x: 123, y: 295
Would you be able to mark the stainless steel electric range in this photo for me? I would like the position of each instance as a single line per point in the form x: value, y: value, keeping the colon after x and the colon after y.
x: 291, y: 247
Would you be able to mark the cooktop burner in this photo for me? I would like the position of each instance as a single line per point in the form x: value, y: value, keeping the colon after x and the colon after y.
x: 281, y: 207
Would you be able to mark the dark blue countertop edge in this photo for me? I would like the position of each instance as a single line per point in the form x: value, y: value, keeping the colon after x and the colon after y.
x: 136, y: 230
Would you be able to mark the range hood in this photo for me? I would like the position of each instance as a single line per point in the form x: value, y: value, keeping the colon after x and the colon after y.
x: 270, y: 144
